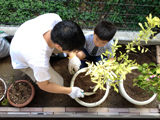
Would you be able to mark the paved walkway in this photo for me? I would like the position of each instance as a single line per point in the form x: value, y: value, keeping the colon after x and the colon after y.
x: 79, y: 112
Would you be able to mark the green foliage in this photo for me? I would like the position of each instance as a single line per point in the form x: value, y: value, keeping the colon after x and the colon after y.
x: 4, y: 101
x: 151, y: 80
x: 112, y: 71
x: 121, y: 12
x: 19, y: 11
x: 131, y: 12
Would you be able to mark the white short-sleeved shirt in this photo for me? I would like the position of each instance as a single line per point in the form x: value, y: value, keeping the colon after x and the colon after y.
x: 89, y: 45
x: 29, y: 48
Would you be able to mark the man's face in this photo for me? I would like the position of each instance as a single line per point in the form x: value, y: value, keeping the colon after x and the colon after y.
x: 98, y: 42
x: 58, y: 47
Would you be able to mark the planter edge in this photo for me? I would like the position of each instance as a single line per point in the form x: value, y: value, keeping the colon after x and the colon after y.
x: 5, y: 89
x: 126, y: 96
x: 85, y: 103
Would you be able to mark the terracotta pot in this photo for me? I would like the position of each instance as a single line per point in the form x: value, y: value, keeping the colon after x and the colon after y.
x: 28, y: 101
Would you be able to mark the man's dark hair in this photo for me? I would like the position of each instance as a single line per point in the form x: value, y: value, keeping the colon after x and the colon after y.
x: 68, y: 35
x: 105, y: 30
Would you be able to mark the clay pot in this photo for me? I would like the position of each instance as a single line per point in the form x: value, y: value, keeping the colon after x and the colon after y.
x: 28, y: 101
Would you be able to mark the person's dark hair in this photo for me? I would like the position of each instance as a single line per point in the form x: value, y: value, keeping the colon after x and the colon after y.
x: 68, y: 35
x: 105, y: 30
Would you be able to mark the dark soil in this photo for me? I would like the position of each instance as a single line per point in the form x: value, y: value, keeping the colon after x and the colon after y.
x: 84, y: 82
x: 133, y: 91
x: 2, y: 89
x: 20, y: 92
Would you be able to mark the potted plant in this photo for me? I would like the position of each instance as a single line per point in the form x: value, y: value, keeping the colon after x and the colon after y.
x: 91, y: 95
x: 20, y: 93
x: 148, y: 98
x: 3, y: 90
x: 149, y: 79
x: 104, y: 74
x: 141, y: 80
x: 112, y: 73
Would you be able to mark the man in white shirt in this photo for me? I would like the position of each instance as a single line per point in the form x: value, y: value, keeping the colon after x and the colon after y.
x: 33, y: 44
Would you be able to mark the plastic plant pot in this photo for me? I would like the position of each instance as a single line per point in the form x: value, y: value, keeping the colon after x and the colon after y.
x: 127, y: 97
x: 85, y: 103
x: 5, y: 87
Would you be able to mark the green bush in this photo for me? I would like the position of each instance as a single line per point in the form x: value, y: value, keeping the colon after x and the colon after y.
x: 86, y: 14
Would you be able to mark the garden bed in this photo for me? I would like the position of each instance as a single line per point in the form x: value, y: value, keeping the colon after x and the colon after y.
x: 45, y: 99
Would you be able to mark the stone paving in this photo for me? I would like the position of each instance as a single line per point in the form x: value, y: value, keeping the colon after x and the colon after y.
x: 154, y: 112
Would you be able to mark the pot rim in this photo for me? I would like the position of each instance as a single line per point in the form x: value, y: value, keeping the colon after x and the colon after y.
x: 85, y: 103
x: 126, y: 96
x: 5, y: 86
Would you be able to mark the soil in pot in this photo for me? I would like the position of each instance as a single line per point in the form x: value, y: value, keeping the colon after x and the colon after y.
x: 2, y: 89
x: 135, y: 92
x: 20, y: 92
x: 84, y: 82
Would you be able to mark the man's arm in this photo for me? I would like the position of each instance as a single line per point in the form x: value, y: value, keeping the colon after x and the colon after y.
x: 111, y: 58
x: 74, y: 92
x: 53, y: 88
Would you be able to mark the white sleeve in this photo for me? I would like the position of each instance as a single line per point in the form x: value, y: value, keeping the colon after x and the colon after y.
x: 40, y: 67
x: 47, y: 21
x: 41, y: 74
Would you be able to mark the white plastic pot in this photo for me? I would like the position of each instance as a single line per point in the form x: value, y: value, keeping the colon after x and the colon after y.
x: 126, y: 96
x: 85, y: 103
x: 5, y: 86
x: 4, y: 48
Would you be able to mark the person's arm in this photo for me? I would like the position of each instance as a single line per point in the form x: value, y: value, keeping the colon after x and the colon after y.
x: 42, y: 77
x: 74, y: 92
x: 53, y: 88
x: 111, y: 58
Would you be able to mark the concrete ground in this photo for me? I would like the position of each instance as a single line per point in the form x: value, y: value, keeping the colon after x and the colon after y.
x: 6, y: 71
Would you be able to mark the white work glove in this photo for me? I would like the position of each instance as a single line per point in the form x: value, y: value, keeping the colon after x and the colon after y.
x: 74, y: 64
x: 76, y: 93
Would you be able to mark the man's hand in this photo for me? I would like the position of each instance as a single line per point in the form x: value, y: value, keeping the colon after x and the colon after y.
x: 74, y: 64
x: 76, y: 93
